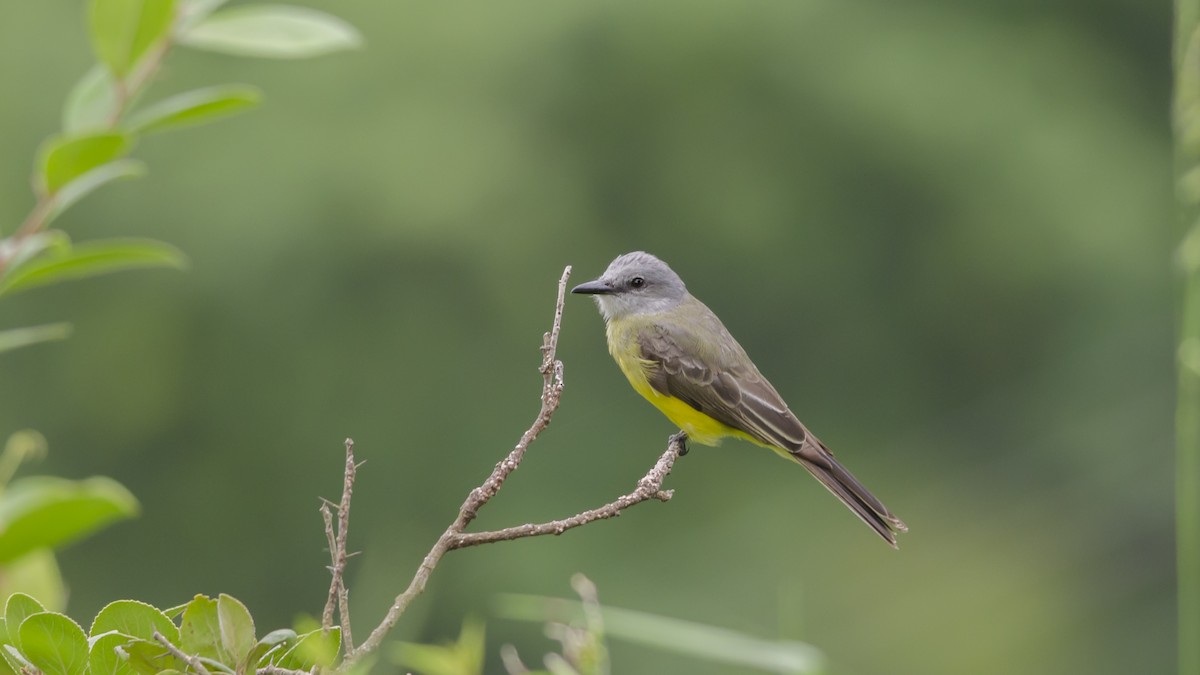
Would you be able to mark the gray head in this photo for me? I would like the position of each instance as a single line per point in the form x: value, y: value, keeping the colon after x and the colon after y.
x: 635, y: 283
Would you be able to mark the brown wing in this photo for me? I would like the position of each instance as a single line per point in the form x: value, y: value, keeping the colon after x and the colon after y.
x: 714, y: 376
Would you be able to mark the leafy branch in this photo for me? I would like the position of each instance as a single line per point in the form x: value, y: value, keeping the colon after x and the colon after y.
x: 102, y: 123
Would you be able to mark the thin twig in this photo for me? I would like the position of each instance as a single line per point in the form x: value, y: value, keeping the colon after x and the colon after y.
x: 339, y: 561
x: 336, y: 535
x: 192, y: 661
x: 552, y: 386
x: 649, y: 487
x: 276, y: 670
x: 331, y: 540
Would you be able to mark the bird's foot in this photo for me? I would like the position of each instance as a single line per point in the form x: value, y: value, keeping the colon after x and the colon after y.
x: 681, y: 438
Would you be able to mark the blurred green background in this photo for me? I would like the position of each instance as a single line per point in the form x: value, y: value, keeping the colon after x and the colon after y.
x: 943, y: 229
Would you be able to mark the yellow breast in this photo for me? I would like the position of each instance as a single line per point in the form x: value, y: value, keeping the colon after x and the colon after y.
x: 625, y: 350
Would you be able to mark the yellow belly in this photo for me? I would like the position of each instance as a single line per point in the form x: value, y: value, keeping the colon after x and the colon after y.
x: 699, y: 427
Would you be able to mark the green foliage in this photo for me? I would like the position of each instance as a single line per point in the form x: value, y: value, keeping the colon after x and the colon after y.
x: 53, y: 643
x: 102, y: 124
x: 64, y: 262
x: 124, y: 30
x: 92, y: 101
x: 312, y: 645
x: 581, y: 627
x: 100, y: 127
x: 272, y: 31
x: 65, y: 158
x: 49, y: 512
x: 461, y: 657
x: 135, y: 619
x: 42, y: 513
x: 237, y: 628
x: 195, y: 107
x: 200, y: 630
x: 126, y: 638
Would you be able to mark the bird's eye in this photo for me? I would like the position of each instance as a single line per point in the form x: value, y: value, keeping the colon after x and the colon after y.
x: 637, y: 282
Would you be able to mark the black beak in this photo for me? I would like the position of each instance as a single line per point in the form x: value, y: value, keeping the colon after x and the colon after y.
x: 596, y: 287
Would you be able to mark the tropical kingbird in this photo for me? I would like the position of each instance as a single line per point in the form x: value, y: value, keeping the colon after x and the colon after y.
x: 679, y: 356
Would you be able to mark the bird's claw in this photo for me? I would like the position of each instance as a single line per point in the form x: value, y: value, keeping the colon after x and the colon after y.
x: 681, y: 438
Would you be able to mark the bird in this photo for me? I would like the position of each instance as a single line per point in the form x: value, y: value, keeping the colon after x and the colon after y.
x: 678, y: 355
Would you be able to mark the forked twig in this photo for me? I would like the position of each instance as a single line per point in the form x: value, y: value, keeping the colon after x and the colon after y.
x: 649, y: 487
x: 336, y: 537
x: 455, y: 537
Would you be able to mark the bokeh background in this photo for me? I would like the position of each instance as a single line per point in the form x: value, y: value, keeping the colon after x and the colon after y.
x: 942, y: 228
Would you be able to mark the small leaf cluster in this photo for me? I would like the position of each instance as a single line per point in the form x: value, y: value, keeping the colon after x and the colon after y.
x: 128, y: 637
x: 103, y: 121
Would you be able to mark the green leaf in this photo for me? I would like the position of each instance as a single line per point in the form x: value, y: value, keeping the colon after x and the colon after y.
x: 103, y: 658
x: 49, y: 512
x: 195, y: 107
x: 237, y: 627
x: 54, y: 643
x: 85, y: 184
x: 276, y: 641
x: 150, y: 658
x: 135, y: 619
x: 315, y: 648
x: 92, y: 102
x: 91, y: 259
x: 124, y: 30
x: 200, y: 630
x: 272, y: 31
x: 19, y: 606
x: 271, y: 643
x: 15, y: 338
x: 65, y: 158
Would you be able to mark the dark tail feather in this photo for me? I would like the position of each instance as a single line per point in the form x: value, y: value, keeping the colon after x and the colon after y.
x: 821, y: 464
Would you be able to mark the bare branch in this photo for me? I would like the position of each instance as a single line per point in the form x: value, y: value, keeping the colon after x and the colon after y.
x: 192, y: 661
x: 552, y: 386
x: 336, y: 536
x: 331, y: 538
x: 649, y: 487
x: 339, y: 565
